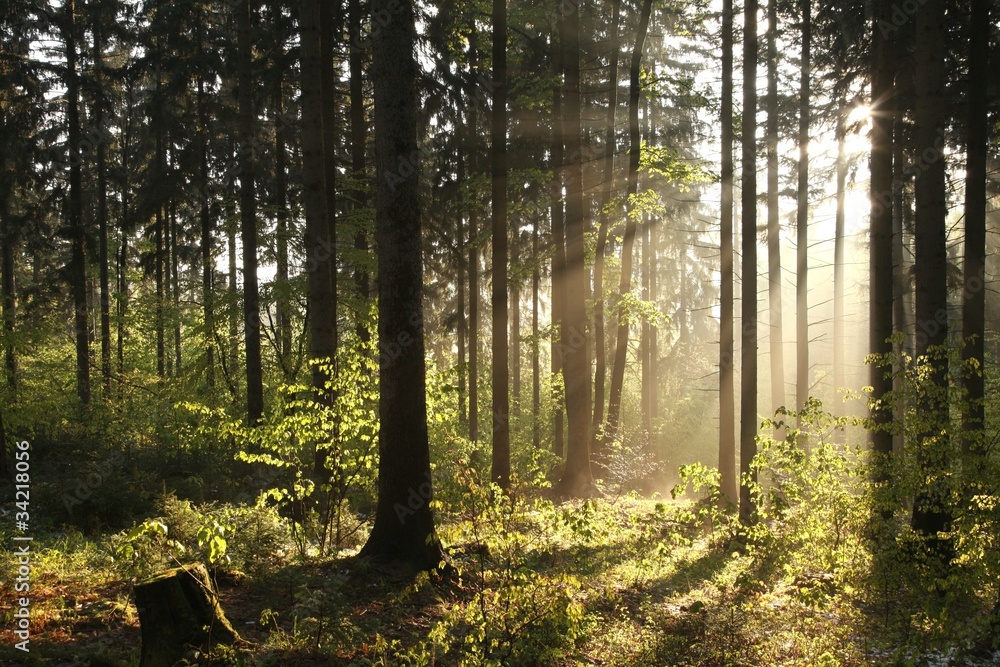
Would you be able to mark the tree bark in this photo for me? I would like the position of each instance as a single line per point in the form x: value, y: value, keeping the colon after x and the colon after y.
x: 404, y: 525
x: 498, y: 169
x: 748, y: 204
x: 102, y: 210
x: 178, y: 609
x: 625, y: 284
x: 536, y: 378
x: 802, y: 223
x: 727, y: 387
x: 207, y: 260
x: 78, y: 261
x: 248, y: 218
x: 558, y: 267
x: 840, y: 134
x: 880, y: 258
x: 577, y: 479
x: 284, y: 337
x: 359, y: 132
x: 7, y: 282
x: 930, y: 512
x: 974, y: 302
x: 608, y: 172
x: 774, y: 301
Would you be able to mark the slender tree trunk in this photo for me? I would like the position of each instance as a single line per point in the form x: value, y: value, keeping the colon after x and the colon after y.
x: 248, y: 219
x: 558, y: 268
x: 358, y: 135
x: 646, y: 389
x: 460, y: 260
x: 329, y: 96
x: 123, y: 232
x: 78, y: 262
x: 802, y: 223
x: 536, y: 378
x: 625, y: 284
x: 840, y: 133
x: 474, y: 165
x: 515, y: 336
x: 176, y: 285
x: 403, y: 530
x: 608, y: 171
x: 161, y: 347
x: 748, y: 377
x: 727, y: 388
x: 774, y: 302
x: 577, y: 479
x: 498, y: 168
x: 233, y: 290
x: 281, y: 234
x: 207, y: 259
x: 930, y: 511
x: 974, y: 302
x: 102, y: 211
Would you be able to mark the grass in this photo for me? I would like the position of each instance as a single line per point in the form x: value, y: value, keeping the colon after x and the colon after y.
x: 623, y: 583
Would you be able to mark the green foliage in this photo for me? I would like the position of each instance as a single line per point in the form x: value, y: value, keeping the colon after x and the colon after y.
x: 515, y: 615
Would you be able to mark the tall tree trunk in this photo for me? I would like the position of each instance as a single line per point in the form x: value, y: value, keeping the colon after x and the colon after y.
x: 248, y: 218
x: 802, y: 222
x: 774, y: 302
x: 78, y: 261
x: 314, y: 199
x: 727, y: 385
x: 974, y: 303
x: 577, y: 479
x: 233, y: 289
x: 358, y: 133
x: 840, y: 133
x: 328, y: 76
x: 608, y: 172
x: 176, y: 285
x: 474, y: 165
x: 281, y: 234
x: 460, y: 260
x: 902, y: 296
x: 536, y: 378
x: 402, y: 531
x: 124, y: 226
x: 625, y: 284
x: 748, y: 204
x: 207, y: 260
x: 558, y: 268
x: 498, y: 168
x: 930, y: 512
x: 646, y: 388
x: 102, y: 210
x: 880, y: 258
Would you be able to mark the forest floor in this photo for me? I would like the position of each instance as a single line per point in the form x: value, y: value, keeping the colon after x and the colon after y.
x: 612, y: 583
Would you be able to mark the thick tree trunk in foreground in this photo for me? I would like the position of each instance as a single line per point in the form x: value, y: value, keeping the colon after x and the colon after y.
x: 577, y: 479
x: 880, y: 259
x: 404, y: 525
x: 178, y: 609
x: 930, y: 511
x: 748, y: 378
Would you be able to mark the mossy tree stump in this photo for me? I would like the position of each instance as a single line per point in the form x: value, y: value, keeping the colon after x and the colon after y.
x: 178, y: 610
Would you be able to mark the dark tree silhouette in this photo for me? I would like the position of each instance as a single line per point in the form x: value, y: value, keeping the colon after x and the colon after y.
x: 404, y: 524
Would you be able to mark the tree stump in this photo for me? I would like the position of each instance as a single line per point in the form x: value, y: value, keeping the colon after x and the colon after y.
x: 178, y: 610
